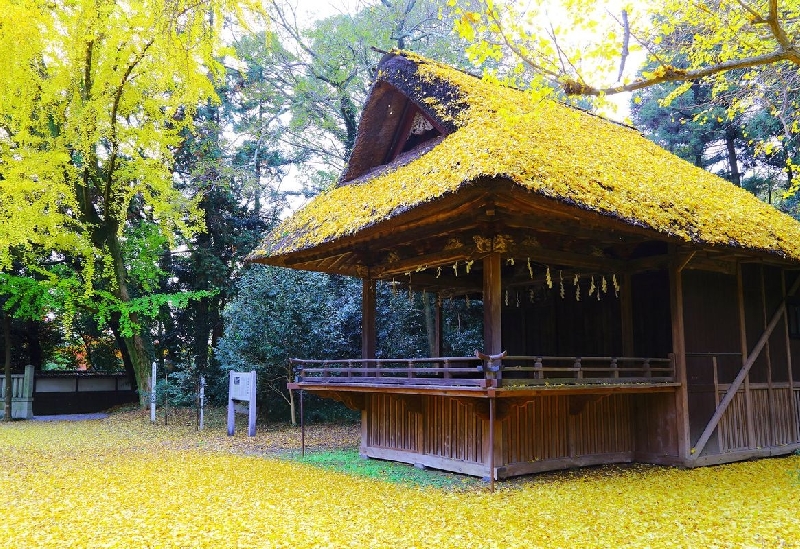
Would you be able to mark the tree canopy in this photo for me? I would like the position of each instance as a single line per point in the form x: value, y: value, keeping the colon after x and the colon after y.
x: 94, y: 99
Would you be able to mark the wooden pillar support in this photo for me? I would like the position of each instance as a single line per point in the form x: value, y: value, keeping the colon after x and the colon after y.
x: 679, y: 350
x: 792, y: 402
x: 492, y: 417
x: 437, y: 324
x: 748, y: 406
x: 368, y: 318
x: 737, y: 383
x: 492, y: 303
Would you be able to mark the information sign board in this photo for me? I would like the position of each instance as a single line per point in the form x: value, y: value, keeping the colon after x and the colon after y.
x: 242, y: 388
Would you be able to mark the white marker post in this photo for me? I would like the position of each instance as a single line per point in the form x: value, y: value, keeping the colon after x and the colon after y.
x: 202, y: 399
x: 153, y: 395
x: 242, y: 388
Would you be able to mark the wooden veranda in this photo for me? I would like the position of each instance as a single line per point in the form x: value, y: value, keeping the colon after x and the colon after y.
x: 635, y: 308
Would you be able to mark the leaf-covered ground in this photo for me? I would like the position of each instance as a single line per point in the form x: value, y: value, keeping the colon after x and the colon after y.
x: 121, y: 482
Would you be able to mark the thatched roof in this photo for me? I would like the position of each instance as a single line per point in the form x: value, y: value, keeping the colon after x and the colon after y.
x: 543, y: 147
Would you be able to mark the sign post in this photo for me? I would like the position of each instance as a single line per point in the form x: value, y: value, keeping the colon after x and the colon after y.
x: 201, y: 397
x: 153, y: 395
x: 242, y: 388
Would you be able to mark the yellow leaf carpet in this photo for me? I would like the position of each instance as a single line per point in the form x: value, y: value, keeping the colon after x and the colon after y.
x: 121, y: 482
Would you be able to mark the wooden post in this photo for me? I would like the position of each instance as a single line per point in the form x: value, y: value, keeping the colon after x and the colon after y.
x: 368, y: 318
x: 491, y: 442
x: 679, y: 350
x: 437, y: 326
x: 743, y: 335
x: 792, y: 403
x: 302, y: 427
x: 492, y: 302
x: 772, y: 427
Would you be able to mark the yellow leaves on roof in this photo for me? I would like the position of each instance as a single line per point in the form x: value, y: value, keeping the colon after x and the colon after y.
x: 555, y: 151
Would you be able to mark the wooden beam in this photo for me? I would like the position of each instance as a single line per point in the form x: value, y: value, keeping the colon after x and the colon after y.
x: 492, y: 304
x: 444, y: 259
x: 726, y: 400
x: 368, y: 337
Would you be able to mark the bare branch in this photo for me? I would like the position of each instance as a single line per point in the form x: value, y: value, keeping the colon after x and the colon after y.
x: 673, y: 74
x: 625, y: 38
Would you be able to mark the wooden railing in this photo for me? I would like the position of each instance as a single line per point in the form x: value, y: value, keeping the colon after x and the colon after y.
x: 538, y: 370
x: 408, y: 371
x: 472, y: 371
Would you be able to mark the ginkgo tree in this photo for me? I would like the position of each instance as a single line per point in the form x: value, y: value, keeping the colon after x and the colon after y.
x: 745, y: 50
x: 94, y: 98
x: 581, y: 46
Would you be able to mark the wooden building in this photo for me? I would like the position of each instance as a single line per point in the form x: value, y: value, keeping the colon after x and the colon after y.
x: 645, y: 306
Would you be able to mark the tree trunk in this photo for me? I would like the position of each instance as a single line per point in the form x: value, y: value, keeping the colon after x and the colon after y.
x: 123, y: 349
x: 33, y: 330
x: 730, y: 142
x: 135, y: 343
x: 8, y: 383
x: 430, y: 324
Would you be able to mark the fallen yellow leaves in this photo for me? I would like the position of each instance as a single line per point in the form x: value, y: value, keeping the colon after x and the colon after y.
x: 124, y: 483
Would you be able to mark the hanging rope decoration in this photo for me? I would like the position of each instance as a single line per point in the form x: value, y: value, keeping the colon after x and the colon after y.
x: 575, y: 283
x: 604, y: 285
x: 438, y: 272
x: 592, y: 287
x: 549, y: 279
x: 530, y: 295
x: 560, y: 284
x: 530, y: 269
x: 455, y: 268
x: 616, y: 284
x: 506, y: 298
x: 518, y: 300
x: 469, y: 265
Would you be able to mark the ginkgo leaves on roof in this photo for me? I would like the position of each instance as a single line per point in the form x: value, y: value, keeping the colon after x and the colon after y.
x: 549, y: 149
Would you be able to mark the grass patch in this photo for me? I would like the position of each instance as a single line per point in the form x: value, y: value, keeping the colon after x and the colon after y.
x: 348, y: 461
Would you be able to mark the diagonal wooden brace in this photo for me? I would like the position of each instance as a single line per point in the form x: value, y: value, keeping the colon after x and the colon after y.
x: 751, y: 359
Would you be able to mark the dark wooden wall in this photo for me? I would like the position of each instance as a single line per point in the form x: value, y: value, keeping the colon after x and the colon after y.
x: 711, y: 321
x: 761, y: 412
x: 550, y: 325
x: 652, y: 324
